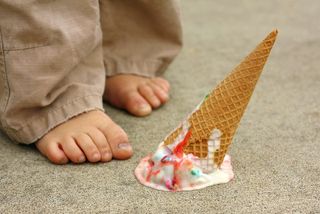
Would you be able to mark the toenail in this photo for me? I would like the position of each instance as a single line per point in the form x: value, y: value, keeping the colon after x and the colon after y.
x: 157, y: 102
x: 82, y: 159
x: 95, y: 156
x: 144, y: 108
x: 106, y: 155
x: 165, y: 95
x: 125, y: 146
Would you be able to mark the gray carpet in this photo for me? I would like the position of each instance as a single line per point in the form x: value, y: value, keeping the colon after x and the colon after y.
x: 276, y: 149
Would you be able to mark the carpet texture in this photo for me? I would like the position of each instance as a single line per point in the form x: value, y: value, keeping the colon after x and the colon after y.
x: 275, y: 151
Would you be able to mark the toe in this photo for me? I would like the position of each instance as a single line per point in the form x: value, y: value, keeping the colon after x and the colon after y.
x: 147, y: 92
x: 52, y: 151
x: 88, y: 147
x: 164, y: 84
x: 72, y: 150
x: 102, y: 144
x: 118, y: 141
x: 137, y: 105
x: 159, y: 92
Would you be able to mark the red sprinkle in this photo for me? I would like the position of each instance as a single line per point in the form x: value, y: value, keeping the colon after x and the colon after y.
x: 178, y: 151
x: 166, y: 160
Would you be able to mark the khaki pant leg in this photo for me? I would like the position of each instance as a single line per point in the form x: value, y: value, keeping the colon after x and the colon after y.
x: 140, y: 37
x: 51, y: 65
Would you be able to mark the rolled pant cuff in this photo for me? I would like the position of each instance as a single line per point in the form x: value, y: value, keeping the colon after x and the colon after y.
x: 38, y: 127
x: 150, y: 68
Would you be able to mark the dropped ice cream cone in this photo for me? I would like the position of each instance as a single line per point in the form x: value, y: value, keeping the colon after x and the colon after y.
x: 208, y: 131
x: 224, y: 106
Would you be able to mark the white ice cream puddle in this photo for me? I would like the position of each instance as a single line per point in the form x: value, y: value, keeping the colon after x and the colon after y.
x: 170, y: 170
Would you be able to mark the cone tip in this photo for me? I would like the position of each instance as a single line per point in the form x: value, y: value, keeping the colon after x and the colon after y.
x: 275, y: 32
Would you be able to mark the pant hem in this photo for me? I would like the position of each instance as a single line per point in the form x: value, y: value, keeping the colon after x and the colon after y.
x: 143, y: 68
x: 38, y: 127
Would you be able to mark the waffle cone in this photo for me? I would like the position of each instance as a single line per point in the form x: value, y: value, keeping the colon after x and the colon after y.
x: 225, y: 105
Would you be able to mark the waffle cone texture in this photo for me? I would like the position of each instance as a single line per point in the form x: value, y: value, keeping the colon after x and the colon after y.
x: 225, y: 105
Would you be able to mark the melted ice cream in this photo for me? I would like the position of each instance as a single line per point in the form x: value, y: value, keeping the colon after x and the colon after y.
x: 170, y: 169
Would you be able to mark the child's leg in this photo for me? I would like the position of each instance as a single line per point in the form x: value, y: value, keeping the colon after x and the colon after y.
x: 140, y: 39
x: 51, y: 70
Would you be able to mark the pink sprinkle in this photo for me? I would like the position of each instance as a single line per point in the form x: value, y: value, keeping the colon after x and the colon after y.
x: 168, y: 184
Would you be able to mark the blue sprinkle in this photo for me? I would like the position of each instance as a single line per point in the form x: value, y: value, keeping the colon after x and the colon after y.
x: 195, y: 172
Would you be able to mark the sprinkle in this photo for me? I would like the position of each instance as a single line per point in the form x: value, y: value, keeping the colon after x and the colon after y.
x: 166, y: 159
x: 151, y: 163
x: 169, y: 184
x: 195, y: 172
x: 178, y: 150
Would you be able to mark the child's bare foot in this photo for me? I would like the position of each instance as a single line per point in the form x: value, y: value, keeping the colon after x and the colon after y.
x: 138, y: 95
x: 91, y: 136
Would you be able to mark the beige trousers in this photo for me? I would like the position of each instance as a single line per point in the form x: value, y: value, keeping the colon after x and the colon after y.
x: 55, y: 54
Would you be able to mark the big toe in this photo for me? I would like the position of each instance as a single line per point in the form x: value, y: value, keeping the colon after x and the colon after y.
x: 118, y: 141
x: 137, y: 105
